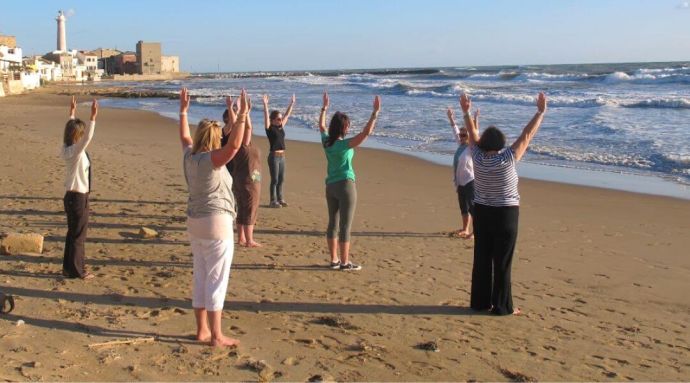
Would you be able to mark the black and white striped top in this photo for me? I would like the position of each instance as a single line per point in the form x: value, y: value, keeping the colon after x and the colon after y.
x: 495, y: 178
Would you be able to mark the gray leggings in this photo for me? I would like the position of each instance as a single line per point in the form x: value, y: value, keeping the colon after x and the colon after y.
x: 341, y: 198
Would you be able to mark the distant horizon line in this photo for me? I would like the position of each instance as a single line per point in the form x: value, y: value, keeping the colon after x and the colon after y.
x: 438, y: 67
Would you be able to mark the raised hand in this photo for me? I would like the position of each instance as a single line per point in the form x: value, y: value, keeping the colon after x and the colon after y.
x: 293, y: 99
x: 541, y: 102
x: 236, y: 105
x: 265, y: 98
x: 451, y: 114
x: 244, y: 106
x: 476, y: 118
x: 73, y: 107
x: 94, y: 109
x: 184, y: 100
x: 326, y: 101
x: 249, y: 104
x: 465, y: 103
x: 377, y: 104
x: 229, y: 102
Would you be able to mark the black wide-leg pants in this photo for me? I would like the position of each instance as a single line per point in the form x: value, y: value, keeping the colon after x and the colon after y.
x: 77, y: 210
x: 495, y: 235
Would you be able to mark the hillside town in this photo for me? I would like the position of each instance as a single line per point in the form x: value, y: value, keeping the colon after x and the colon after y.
x: 19, y: 73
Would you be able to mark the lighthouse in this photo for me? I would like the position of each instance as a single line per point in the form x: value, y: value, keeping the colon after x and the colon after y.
x: 61, y: 39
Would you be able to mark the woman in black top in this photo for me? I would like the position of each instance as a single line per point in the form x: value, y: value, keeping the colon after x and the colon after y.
x: 275, y: 124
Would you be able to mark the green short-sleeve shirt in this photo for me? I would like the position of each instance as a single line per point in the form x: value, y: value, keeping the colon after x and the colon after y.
x: 339, y: 156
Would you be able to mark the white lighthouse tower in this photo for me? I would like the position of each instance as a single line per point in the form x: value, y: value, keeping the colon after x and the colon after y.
x: 61, y: 32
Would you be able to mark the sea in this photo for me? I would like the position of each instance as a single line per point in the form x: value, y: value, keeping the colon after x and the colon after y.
x: 622, y: 126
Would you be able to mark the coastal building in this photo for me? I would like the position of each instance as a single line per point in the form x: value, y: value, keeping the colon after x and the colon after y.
x: 123, y: 63
x: 9, y: 41
x: 10, y: 66
x: 10, y: 58
x: 170, y: 64
x: 90, y: 62
x: 75, y: 65
x: 149, y: 57
x: 103, y: 54
x: 47, y: 70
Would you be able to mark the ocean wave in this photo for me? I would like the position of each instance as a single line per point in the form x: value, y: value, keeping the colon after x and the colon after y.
x: 666, y: 163
x: 502, y: 75
x: 536, y: 76
x: 554, y: 101
x: 670, y: 103
x: 647, y: 78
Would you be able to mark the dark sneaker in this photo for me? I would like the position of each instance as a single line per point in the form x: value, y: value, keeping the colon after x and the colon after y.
x: 350, y: 267
x: 335, y: 265
x: 283, y: 203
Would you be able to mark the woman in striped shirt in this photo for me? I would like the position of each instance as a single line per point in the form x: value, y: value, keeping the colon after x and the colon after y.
x: 496, y: 208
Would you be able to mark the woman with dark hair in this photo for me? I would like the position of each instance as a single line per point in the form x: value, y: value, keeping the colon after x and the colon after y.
x: 76, y: 138
x: 341, y: 194
x: 496, y: 209
x: 275, y: 131
x: 245, y: 169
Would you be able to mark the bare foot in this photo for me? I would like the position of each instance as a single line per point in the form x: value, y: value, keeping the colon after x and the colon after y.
x: 517, y: 311
x: 224, y: 341
x: 203, y: 336
x: 469, y: 236
x: 253, y: 244
x: 242, y: 243
x: 88, y: 276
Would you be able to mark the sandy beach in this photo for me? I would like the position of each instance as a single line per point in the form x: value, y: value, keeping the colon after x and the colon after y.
x: 600, y: 275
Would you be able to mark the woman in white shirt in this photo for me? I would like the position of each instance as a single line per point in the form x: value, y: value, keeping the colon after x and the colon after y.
x: 76, y: 138
x: 210, y: 213
x: 463, y: 174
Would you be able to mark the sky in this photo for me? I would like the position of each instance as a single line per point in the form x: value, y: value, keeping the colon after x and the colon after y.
x: 274, y: 35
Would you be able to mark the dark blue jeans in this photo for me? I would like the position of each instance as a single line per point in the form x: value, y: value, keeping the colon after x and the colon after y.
x: 276, y: 166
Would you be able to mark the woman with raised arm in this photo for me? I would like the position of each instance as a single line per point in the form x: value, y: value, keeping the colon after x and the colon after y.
x: 76, y: 138
x: 275, y: 131
x: 210, y: 213
x: 341, y: 193
x: 496, y: 209
x: 463, y: 174
x: 246, y: 176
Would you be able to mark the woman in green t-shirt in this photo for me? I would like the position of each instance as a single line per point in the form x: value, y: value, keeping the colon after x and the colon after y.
x: 341, y: 194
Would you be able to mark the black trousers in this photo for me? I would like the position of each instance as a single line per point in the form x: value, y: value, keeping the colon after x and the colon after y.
x: 495, y: 234
x: 77, y: 210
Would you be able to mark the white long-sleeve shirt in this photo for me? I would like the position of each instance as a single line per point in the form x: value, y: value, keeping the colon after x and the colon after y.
x: 77, y: 162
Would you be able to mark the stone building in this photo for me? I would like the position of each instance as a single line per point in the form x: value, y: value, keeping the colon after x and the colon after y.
x: 8, y: 41
x: 149, y: 57
x: 170, y: 64
x: 124, y: 63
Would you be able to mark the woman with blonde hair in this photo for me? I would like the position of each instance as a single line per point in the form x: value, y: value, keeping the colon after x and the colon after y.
x: 76, y: 138
x: 210, y: 213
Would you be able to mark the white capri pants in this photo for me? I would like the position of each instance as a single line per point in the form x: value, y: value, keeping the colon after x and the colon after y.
x: 212, y: 260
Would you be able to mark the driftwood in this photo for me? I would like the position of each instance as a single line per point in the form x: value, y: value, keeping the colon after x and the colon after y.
x: 20, y: 243
x: 133, y: 341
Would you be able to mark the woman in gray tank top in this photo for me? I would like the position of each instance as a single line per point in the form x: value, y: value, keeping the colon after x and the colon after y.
x: 210, y: 213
